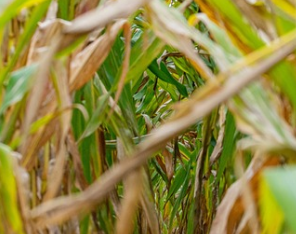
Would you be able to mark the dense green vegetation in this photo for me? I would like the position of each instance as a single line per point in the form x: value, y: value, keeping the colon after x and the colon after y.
x: 147, y: 116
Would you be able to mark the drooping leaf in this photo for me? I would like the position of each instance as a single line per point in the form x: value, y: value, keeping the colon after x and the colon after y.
x: 164, y: 74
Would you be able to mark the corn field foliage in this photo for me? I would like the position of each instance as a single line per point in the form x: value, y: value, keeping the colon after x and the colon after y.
x: 147, y: 116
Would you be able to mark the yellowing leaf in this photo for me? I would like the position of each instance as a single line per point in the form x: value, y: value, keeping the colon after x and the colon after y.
x: 30, y: 3
x: 286, y: 7
x: 271, y: 214
x: 9, y: 210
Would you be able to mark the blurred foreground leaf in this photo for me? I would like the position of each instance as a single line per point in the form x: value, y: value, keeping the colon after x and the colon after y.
x: 280, y: 182
x: 11, y: 221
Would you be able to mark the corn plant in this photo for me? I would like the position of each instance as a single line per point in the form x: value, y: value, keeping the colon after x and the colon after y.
x: 147, y: 116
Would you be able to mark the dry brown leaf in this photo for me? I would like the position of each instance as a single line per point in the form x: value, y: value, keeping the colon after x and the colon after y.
x: 150, y: 213
x: 250, y: 218
x: 133, y: 185
x: 46, y: 36
x: 73, y: 150
x: 38, y: 92
x: 102, y: 150
x: 56, y: 176
x: 160, y: 163
x: 4, y: 49
x: 85, y: 6
x: 44, y: 45
x: 23, y: 190
x: 104, y: 15
x: 52, y: 11
x: 132, y: 193
x: 231, y: 210
x: 169, y: 163
x: 83, y: 72
x: 219, y: 143
x: 36, y: 141
x: 86, y: 63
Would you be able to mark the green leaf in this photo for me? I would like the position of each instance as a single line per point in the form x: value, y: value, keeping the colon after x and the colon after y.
x: 164, y: 75
x: 64, y: 9
x: 97, y: 118
x: 178, y: 182
x: 228, y: 144
x: 185, y: 183
x: 18, y: 85
x: 141, y: 57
